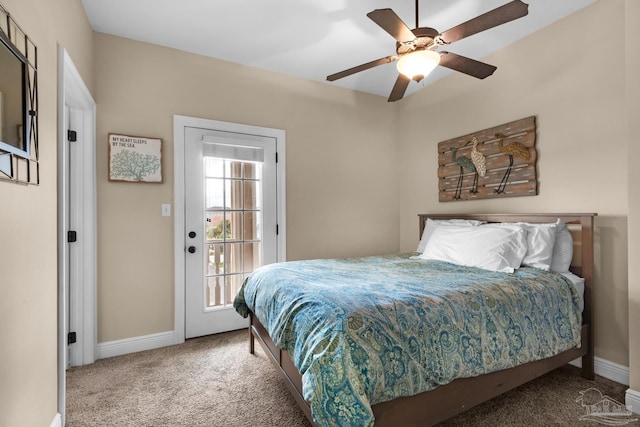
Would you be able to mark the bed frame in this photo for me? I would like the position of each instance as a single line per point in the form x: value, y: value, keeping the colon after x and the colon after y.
x: 432, y: 407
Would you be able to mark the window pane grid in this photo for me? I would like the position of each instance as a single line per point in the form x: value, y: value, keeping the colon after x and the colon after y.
x: 234, y: 221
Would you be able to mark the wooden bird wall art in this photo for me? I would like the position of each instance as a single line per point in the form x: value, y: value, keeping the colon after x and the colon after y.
x: 495, y: 162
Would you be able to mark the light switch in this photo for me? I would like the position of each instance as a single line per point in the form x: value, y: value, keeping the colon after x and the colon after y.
x: 166, y: 209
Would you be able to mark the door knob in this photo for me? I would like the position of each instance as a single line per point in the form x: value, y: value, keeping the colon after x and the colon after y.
x: 192, y: 234
x: 192, y: 249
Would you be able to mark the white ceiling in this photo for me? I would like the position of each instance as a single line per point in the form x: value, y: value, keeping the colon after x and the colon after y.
x: 312, y: 38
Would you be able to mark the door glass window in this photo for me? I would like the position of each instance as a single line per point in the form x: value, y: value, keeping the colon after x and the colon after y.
x: 233, y: 215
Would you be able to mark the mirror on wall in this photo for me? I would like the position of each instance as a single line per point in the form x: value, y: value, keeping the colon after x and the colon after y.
x: 19, y: 157
x: 14, y: 115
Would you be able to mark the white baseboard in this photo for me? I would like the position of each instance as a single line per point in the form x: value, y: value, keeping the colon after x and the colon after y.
x: 57, y: 421
x: 632, y: 400
x: 610, y: 370
x: 135, y: 344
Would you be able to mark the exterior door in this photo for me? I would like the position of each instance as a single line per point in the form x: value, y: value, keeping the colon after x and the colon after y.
x: 230, y: 223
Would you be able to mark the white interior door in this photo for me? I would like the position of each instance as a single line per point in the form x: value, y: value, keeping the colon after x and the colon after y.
x: 76, y: 212
x: 230, y: 222
x: 74, y: 224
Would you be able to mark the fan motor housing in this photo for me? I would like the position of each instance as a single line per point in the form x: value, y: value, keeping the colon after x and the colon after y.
x: 425, y: 37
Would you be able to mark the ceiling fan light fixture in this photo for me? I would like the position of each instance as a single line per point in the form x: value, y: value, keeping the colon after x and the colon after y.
x: 418, y: 64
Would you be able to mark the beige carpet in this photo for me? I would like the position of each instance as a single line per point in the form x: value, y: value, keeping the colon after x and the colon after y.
x: 214, y: 381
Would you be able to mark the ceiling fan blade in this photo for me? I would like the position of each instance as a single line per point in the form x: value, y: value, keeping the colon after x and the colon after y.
x: 362, y: 67
x: 392, y: 24
x: 466, y: 65
x: 501, y: 15
x: 399, y: 88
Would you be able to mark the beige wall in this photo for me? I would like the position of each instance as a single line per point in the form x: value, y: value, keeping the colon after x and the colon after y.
x: 633, y: 136
x: 341, y: 169
x: 579, y: 104
x: 28, y: 228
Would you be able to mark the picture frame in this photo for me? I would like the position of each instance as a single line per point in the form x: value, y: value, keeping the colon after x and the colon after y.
x: 135, y: 158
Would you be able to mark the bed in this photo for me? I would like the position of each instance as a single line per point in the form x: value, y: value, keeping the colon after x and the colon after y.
x: 461, y: 382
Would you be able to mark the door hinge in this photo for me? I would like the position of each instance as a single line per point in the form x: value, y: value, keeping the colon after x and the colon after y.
x: 277, y: 229
x: 72, y: 236
x: 276, y: 157
x: 71, y: 338
x: 72, y: 135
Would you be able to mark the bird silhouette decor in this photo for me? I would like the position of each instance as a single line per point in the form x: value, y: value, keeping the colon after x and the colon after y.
x: 511, y: 149
x: 501, y: 156
x: 478, y: 159
x: 464, y: 163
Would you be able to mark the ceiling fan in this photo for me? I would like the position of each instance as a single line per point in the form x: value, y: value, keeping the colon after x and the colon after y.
x: 416, y: 50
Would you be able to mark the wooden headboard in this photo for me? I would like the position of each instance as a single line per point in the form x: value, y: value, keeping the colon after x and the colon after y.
x: 581, y: 227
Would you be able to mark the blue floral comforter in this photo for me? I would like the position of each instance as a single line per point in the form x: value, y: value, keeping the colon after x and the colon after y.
x: 366, y: 330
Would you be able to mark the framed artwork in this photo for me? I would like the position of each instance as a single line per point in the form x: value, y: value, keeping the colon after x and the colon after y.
x: 135, y: 158
x: 496, y: 162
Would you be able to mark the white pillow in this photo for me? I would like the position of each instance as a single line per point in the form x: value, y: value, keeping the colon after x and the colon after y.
x: 432, y: 224
x: 562, y: 249
x: 491, y: 248
x: 549, y: 245
x: 540, y: 241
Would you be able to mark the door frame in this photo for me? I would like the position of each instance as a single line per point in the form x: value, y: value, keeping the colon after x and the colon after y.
x: 73, y: 93
x: 179, y: 125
